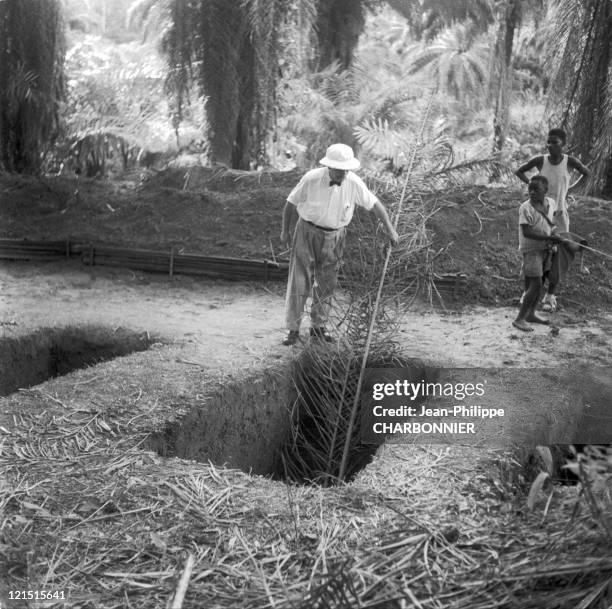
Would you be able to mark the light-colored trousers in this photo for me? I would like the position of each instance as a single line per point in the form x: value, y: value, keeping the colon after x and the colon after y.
x: 562, y: 220
x: 313, y: 271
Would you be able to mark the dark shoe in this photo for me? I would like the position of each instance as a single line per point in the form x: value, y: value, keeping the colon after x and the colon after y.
x: 321, y: 333
x: 292, y: 338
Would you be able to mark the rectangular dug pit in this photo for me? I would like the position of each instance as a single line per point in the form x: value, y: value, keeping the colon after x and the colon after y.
x: 241, y: 426
x: 45, y: 353
x: 274, y: 423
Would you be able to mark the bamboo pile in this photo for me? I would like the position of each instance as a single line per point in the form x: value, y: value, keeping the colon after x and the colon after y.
x: 171, y: 262
x: 11, y: 249
x: 448, y: 286
x: 153, y: 261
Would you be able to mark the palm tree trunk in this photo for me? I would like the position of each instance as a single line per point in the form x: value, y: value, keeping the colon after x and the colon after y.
x: 31, y: 81
x: 339, y: 24
x: 509, y: 18
x: 581, y: 85
x: 229, y: 49
x: 588, y: 109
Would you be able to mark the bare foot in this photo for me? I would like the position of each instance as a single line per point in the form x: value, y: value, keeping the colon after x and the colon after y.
x: 534, y: 319
x: 521, y: 324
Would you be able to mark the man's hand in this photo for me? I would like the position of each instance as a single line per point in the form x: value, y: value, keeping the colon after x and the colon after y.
x: 393, y: 237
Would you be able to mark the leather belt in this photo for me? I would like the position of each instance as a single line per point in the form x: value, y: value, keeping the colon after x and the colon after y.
x: 325, y: 228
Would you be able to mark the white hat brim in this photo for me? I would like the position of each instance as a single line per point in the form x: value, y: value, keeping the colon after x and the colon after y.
x: 349, y: 165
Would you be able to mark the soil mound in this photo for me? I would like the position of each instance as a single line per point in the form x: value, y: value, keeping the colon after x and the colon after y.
x: 221, y: 212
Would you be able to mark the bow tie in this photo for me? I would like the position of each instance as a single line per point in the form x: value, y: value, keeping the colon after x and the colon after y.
x: 334, y: 183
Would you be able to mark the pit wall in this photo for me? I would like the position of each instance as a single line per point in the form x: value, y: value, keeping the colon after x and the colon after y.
x: 49, y: 352
x: 241, y: 426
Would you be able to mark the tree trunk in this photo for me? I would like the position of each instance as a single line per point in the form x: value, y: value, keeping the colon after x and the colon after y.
x: 339, y: 24
x: 508, y: 22
x: 590, y: 129
x: 31, y: 81
x: 242, y: 141
x: 233, y: 47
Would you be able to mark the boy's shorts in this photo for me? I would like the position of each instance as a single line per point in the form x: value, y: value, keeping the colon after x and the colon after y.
x: 535, y: 263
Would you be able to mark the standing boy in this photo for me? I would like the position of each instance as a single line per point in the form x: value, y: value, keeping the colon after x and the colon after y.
x: 555, y: 167
x: 535, y: 236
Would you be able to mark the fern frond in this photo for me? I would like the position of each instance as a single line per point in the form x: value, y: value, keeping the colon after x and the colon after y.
x: 377, y: 137
x: 457, y: 175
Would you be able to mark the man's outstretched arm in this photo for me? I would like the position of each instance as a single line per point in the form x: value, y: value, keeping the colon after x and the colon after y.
x: 381, y: 213
x: 290, y: 216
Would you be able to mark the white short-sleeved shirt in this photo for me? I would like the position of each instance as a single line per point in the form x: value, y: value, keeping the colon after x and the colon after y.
x: 330, y: 206
x: 531, y: 216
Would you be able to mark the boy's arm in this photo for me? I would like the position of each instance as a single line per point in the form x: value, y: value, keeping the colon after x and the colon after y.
x: 535, y: 162
x: 530, y: 233
x: 583, y: 170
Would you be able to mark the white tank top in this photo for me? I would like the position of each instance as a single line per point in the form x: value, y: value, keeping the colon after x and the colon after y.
x: 558, y: 177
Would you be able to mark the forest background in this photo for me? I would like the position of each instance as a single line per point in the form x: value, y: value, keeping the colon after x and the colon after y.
x: 98, y: 87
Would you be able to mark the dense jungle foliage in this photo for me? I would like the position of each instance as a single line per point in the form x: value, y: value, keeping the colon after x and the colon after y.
x: 96, y: 87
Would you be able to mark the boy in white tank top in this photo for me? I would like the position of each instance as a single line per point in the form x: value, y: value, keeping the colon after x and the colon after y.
x: 556, y: 167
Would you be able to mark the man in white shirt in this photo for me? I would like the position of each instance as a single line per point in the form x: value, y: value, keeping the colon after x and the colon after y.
x: 322, y: 204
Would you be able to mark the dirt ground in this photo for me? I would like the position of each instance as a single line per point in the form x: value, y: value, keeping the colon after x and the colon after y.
x: 229, y: 325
